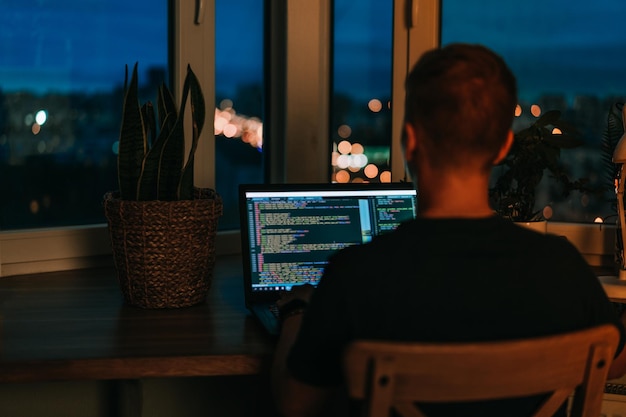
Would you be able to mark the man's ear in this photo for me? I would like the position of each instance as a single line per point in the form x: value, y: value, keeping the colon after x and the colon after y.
x: 409, y: 142
x: 505, y: 148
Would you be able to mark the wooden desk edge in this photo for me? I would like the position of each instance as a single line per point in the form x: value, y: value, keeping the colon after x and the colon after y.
x: 131, y: 368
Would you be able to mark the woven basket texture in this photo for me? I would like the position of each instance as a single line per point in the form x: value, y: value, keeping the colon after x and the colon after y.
x: 164, y: 251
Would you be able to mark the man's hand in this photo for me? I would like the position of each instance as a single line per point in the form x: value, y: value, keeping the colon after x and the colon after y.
x: 297, y: 292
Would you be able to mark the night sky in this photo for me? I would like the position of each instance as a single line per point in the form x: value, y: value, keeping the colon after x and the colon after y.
x: 543, y: 41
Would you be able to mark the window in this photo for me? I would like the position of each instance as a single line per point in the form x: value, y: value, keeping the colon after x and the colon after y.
x: 360, y: 120
x: 291, y: 76
x: 295, y: 122
x: 568, y: 57
x: 60, y: 102
x: 239, y: 94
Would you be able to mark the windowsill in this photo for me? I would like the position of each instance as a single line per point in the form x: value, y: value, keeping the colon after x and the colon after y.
x: 48, y: 250
x: 595, y: 241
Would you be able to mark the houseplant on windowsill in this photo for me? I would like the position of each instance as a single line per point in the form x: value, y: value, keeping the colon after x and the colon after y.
x: 162, y: 228
x: 535, y: 152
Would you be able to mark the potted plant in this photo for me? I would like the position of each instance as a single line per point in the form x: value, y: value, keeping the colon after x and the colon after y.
x: 162, y: 227
x: 535, y: 151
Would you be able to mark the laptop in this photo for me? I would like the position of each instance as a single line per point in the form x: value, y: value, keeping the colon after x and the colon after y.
x: 288, y: 231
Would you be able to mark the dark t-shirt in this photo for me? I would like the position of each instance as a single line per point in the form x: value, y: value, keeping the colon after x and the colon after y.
x: 445, y: 280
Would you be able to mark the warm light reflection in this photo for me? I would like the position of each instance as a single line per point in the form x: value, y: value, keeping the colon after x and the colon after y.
x: 226, y: 104
x: 535, y: 110
x: 547, y: 212
x: 232, y: 125
x: 34, y: 206
x: 357, y: 148
x: 375, y: 105
x: 230, y: 130
x: 556, y: 131
x: 35, y: 128
x: 518, y: 110
x: 342, y: 176
x: 598, y: 220
x: 385, y: 176
x: 349, y: 158
x: 344, y: 147
x: 371, y: 171
x: 344, y: 131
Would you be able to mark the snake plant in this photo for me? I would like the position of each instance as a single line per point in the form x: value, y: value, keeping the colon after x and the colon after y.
x: 151, y: 155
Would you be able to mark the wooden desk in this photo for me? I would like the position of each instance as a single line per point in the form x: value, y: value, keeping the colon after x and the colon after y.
x: 73, y: 326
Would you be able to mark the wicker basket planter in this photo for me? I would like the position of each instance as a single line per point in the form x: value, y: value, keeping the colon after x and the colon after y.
x: 164, y: 251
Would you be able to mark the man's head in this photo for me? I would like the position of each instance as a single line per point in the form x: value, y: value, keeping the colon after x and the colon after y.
x: 460, y: 102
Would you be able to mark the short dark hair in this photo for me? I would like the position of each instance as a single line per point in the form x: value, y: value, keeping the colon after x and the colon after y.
x: 462, y: 97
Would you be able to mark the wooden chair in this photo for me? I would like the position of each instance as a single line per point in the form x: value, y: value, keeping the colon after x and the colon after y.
x: 386, y: 375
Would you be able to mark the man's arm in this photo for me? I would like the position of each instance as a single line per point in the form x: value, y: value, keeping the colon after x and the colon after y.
x: 292, y: 397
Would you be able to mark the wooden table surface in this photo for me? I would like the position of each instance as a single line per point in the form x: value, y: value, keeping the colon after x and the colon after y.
x: 73, y: 325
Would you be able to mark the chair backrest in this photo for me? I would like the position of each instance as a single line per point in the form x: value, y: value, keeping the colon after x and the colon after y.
x: 386, y: 375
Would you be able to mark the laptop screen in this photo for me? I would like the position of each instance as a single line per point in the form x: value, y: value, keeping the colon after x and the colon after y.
x: 290, y: 230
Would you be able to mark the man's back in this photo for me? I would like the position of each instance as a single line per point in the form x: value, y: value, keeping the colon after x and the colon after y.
x: 447, y: 280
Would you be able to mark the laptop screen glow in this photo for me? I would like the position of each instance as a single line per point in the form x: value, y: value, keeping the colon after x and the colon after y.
x: 291, y: 233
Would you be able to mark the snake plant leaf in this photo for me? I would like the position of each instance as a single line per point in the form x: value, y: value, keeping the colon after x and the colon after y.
x: 166, y: 106
x: 149, y: 122
x: 133, y: 142
x: 149, y: 180
x: 153, y: 169
x: 167, y: 115
x: 198, y: 114
x: 173, y: 154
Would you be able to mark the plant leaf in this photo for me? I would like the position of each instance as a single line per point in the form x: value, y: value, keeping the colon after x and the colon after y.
x: 165, y: 107
x: 172, y: 154
x: 147, y: 112
x: 132, y: 140
x: 149, y: 180
x: 198, y: 114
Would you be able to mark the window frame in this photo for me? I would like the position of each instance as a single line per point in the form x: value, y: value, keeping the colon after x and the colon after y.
x: 297, y: 120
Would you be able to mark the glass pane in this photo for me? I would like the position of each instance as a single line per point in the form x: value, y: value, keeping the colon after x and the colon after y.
x: 567, y: 57
x: 239, y: 99
x: 360, y: 120
x: 61, y: 81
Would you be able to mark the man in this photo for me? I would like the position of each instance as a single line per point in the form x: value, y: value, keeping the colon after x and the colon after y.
x: 456, y: 273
